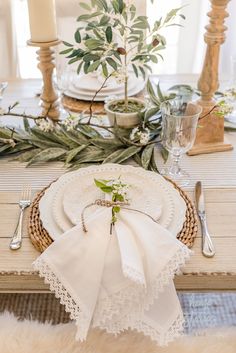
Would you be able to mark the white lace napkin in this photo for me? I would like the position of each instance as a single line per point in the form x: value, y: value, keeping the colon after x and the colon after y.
x: 118, y: 281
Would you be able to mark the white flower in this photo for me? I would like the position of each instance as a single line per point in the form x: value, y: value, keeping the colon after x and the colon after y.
x: 140, y: 134
x: 133, y: 134
x: 71, y: 122
x: 45, y: 125
x: 144, y: 138
x: 230, y: 93
x: 119, y: 76
x: 11, y: 142
x: 225, y: 108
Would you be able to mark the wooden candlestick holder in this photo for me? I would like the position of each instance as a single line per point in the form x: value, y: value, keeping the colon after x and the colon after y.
x: 210, y: 134
x: 49, y: 96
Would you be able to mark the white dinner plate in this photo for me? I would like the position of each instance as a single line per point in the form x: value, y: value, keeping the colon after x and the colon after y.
x: 146, y: 198
x: 48, y: 208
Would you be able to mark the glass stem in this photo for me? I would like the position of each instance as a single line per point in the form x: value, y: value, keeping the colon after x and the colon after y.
x: 175, y: 168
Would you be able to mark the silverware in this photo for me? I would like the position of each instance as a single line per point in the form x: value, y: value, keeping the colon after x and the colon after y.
x: 207, y: 245
x: 24, y: 202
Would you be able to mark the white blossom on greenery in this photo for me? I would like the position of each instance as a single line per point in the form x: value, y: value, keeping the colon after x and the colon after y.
x: 230, y: 93
x: 71, y: 122
x: 224, y: 108
x: 118, y: 191
x: 45, y: 125
x: 142, y: 135
x: 10, y: 142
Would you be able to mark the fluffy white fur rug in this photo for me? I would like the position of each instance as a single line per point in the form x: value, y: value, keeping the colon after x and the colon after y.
x: 33, y: 337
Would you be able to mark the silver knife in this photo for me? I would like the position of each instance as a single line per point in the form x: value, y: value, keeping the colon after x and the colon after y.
x: 207, y: 245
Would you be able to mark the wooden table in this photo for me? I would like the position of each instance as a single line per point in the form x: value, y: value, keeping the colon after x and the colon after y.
x: 218, y: 273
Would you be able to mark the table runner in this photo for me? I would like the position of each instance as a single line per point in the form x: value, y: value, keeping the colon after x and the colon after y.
x: 215, y: 170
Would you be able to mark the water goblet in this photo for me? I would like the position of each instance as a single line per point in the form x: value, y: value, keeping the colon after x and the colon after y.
x: 179, y: 124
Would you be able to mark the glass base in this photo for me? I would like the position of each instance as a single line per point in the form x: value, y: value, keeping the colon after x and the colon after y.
x: 180, y: 176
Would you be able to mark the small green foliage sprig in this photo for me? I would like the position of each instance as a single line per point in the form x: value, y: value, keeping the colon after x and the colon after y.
x: 118, y: 191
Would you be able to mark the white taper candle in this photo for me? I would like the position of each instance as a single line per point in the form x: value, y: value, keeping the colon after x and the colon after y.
x: 42, y: 19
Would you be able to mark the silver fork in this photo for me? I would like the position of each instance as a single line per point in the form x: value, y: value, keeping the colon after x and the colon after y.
x: 24, y: 202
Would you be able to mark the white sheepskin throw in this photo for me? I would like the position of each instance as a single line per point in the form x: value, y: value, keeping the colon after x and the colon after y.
x: 33, y: 337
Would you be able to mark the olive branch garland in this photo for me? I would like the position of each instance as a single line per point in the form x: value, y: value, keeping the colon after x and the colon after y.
x: 78, y: 142
x: 75, y: 142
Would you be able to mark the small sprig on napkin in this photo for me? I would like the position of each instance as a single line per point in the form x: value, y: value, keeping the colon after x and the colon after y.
x: 118, y: 191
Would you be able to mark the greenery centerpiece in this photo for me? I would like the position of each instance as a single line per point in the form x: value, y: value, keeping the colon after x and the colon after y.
x: 112, y: 39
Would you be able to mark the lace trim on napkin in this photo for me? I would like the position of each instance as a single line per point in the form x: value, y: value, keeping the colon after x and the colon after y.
x: 71, y: 305
x: 134, y: 275
x: 135, y: 296
x: 162, y: 338
x: 174, y: 331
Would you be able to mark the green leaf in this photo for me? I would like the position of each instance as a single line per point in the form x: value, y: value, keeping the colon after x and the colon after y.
x: 67, y: 44
x: 122, y: 155
x: 4, y: 148
x: 147, y: 155
x: 107, y: 143
x: 46, y: 155
x: 86, y: 67
x: 85, y: 6
x: 91, y: 57
x: 92, y: 154
x: 27, y: 156
x: 140, y: 25
x: 104, y: 20
x: 112, y: 63
x: 150, y: 112
x: 87, y: 17
x: 171, y: 14
x: 102, y: 4
x: 164, y: 154
x: 77, y: 36
x: 66, y: 51
x: 93, y: 67
x: 104, y: 69
x: 159, y: 93
x: 26, y: 125
x: 109, y: 34
x: 71, y: 61
x: 121, y: 5
x: 73, y: 153
x: 79, y: 67
x: 93, y: 43
x: 116, y: 209
x: 99, y: 183
x: 142, y: 72
x: 107, y: 189
x: 153, y: 165
x: 135, y: 70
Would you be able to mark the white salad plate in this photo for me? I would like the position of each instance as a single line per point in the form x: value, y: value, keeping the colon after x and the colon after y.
x: 61, y: 206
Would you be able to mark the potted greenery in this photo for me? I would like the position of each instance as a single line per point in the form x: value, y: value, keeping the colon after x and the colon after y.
x: 111, y: 37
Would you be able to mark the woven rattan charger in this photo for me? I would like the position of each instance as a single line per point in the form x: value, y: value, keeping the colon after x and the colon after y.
x: 41, y: 239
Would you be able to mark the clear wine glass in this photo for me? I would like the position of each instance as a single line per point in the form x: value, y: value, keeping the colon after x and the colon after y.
x: 179, y: 124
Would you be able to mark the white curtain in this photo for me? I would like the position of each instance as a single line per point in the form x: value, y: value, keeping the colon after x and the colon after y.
x: 228, y: 50
x: 191, y: 46
x: 8, y: 49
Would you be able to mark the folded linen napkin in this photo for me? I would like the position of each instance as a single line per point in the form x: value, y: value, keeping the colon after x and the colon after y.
x: 117, y: 281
